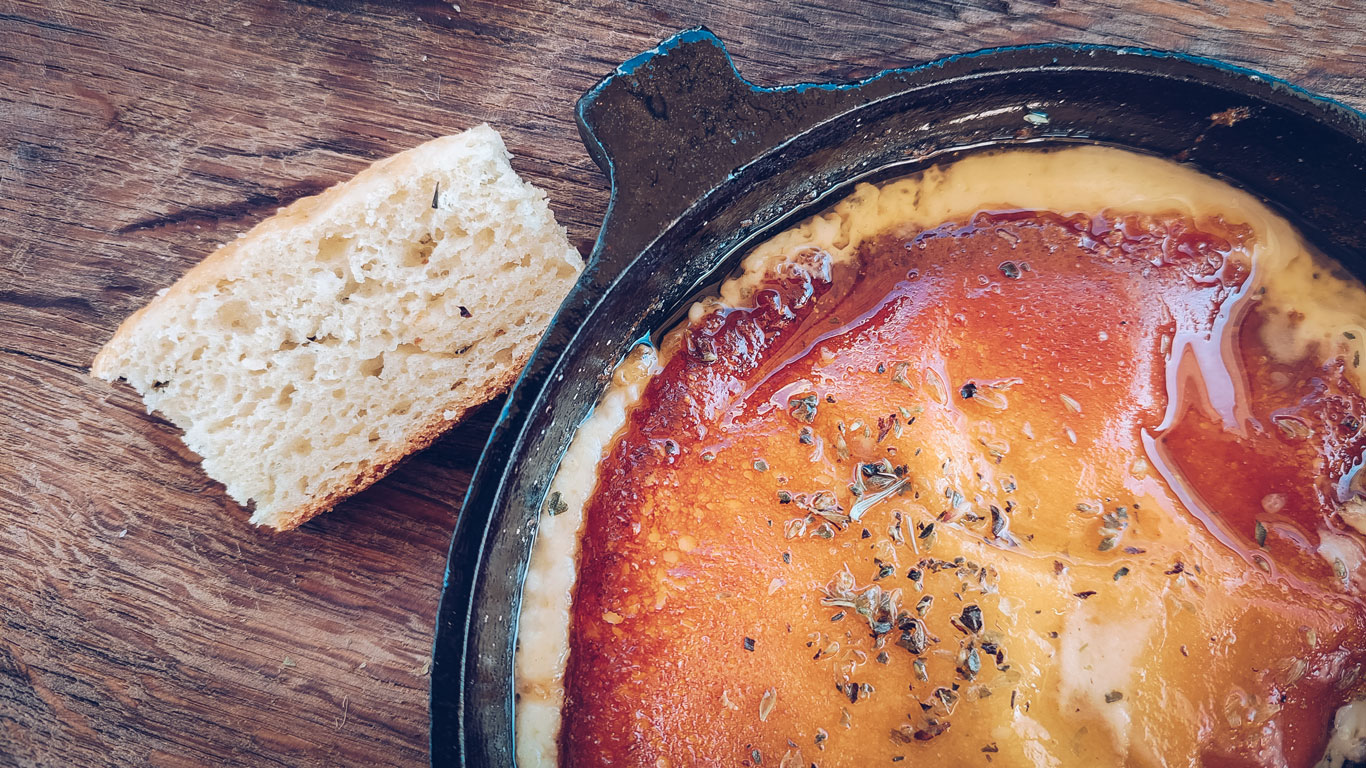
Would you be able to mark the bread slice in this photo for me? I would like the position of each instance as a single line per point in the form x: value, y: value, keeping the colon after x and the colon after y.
x: 306, y: 358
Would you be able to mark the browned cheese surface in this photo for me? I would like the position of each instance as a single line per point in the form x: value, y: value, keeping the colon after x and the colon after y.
x: 142, y: 620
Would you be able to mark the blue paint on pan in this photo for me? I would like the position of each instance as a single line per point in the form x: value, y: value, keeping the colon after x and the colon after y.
x: 702, y: 34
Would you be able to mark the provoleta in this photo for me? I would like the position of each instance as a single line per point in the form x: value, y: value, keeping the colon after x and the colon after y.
x: 1045, y: 458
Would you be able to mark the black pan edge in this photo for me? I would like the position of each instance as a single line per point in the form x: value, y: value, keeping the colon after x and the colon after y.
x: 702, y: 162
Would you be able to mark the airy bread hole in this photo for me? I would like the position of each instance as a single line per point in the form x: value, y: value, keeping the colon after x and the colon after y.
x: 237, y: 314
x: 373, y: 367
x: 286, y: 395
x: 512, y: 266
x: 421, y: 253
x: 300, y: 446
x: 335, y: 250
x: 347, y: 289
x: 483, y: 239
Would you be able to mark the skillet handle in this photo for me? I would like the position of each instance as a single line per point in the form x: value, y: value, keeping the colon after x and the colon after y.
x: 673, y: 123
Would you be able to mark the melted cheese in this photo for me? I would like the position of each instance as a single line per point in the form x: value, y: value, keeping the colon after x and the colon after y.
x: 1097, y: 654
x: 547, y: 593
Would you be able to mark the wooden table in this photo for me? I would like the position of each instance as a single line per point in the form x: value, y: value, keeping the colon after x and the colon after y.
x: 142, y: 620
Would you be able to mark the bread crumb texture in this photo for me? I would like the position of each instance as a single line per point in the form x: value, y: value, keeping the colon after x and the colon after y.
x: 304, y: 359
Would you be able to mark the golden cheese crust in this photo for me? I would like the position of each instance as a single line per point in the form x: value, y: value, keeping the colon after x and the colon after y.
x: 1019, y: 487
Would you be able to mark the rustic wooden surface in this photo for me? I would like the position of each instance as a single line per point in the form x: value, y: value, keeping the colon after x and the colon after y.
x: 142, y: 620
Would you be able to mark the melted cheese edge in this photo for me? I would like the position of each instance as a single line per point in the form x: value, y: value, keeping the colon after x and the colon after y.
x: 1325, y: 304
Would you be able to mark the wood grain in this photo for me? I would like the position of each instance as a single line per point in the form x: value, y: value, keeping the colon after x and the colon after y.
x: 142, y: 620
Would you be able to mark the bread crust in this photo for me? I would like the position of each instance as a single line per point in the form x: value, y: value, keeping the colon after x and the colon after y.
x: 386, y: 462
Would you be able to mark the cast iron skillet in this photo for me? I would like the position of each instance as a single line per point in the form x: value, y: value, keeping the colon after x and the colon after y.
x: 704, y: 164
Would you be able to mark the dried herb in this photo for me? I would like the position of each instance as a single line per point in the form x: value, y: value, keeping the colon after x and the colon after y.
x: 972, y: 618
x: 702, y: 348
x: 1010, y: 270
x: 803, y: 407
x: 914, y: 639
x: 436, y: 195
x: 1260, y: 532
x: 465, y: 312
x: 1121, y: 573
x: 825, y: 506
x: 886, y: 425
x: 866, y: 502
x: 1113, y: 525
x: 555, y: 505
x: 852, y: 691
x: 749, y: 644
x: 999, y: 523
x: 931, y: 730
x: 1085, y: 595
x: 766, y: 703
x: 805, y: 437
x: 968, y: 390
x: 760, y: 465
x: 784, y: 497
x: 1113, y: 696
x: 899, y: 374
x: 1292, y: 427
x: 972, y: 664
